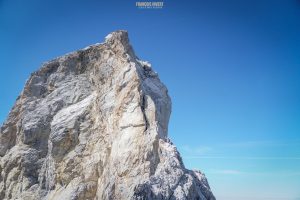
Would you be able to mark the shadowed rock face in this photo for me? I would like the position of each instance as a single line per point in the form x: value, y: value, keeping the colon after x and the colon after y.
x: 93, y: 124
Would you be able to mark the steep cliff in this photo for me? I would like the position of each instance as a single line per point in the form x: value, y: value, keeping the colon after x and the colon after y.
x: 93, y: 124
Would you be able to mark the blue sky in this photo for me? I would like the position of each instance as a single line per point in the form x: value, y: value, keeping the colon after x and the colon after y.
x: 232, y: 68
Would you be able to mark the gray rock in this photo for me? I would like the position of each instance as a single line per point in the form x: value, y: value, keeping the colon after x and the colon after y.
x: 93, y: 124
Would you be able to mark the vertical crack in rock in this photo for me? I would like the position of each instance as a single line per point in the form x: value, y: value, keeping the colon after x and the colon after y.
x: 143, y: 106
x: 93, y: 124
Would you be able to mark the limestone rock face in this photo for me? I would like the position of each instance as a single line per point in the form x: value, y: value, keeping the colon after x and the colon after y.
x: 93, y: 124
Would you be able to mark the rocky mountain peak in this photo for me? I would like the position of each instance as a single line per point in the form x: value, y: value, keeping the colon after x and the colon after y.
x: 120, y: 36
x: 119, y: 41
x: 93, y: 124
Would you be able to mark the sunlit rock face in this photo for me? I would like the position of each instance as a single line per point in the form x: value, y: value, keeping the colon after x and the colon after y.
x: 93, y: 124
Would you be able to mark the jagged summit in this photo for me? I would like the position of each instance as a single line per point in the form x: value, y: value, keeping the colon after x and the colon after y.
x: 118, y: 36
x: 93, y: 124
x: 119, y: 40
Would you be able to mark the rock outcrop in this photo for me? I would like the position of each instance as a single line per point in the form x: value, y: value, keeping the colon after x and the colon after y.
x: 93, y: 124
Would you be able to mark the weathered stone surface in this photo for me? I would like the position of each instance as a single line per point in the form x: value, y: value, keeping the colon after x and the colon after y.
x: 93, y: 124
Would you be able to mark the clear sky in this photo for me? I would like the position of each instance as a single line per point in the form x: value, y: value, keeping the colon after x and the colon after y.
x: 232, y: 68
